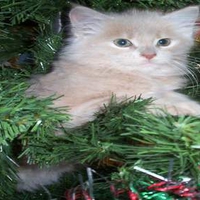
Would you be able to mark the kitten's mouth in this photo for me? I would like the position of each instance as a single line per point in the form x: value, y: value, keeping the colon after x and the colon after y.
x: 148, y: 63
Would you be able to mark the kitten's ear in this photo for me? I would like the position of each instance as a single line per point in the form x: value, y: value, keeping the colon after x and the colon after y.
x: 85, y: 21
x: 184, y: 19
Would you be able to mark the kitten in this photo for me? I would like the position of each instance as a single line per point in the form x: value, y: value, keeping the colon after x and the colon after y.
x: 128, y: 54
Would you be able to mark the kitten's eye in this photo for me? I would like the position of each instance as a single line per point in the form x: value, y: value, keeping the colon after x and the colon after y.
x: 122, y: 42
x: 164, y: 42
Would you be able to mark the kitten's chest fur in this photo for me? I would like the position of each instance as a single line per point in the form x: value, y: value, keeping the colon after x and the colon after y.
x: 85, y: 89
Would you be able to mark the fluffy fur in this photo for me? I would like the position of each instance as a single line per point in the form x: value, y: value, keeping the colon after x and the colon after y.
x: 33, y: 177
x: 92, y: 67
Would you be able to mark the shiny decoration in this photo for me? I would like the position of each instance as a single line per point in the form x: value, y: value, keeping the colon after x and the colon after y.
x: 76, y: 195
x: 178, y: 189
x: 163, y: 190
x: 155, y: 196
x: 132, y: 195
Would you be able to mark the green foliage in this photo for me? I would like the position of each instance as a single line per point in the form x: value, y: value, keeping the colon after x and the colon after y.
x: 26, y: 35
x: 21, y: 116
x: 46, y: 47
x: 7, y: 173
x: 127, y: 134
x: 41, y: 11
x: 27, y: 27
x: 121, y: 137
x: 119, y: 5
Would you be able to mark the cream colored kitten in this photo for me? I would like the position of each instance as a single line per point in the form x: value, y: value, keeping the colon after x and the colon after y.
x: 128, y: 54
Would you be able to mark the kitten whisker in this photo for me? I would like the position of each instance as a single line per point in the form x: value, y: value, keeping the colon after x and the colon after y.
x: 188, y: 72
x: 194, y: 63
x: 193, y: 57
x: 194, y: 71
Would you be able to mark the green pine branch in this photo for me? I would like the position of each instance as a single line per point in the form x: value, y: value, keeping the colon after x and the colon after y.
x: 7, y: 173
x: 120, y: 5
x: 21, y: 116
x: 129, y: 135
x: 41, y: 11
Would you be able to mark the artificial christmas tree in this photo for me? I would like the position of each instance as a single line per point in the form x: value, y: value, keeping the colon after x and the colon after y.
x: 123, y: 137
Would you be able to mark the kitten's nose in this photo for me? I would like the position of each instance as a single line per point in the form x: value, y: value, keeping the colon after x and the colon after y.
x: 148, y: 56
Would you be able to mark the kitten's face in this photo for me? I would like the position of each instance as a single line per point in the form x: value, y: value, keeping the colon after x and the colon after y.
x: 134, y: 41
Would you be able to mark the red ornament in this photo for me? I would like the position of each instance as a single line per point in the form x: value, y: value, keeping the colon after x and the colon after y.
x: 175, y: 188
x: 86, y: 195
x: 132, y: 195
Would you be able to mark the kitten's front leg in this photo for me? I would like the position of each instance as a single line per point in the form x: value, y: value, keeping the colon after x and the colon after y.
x: 176, y: 104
